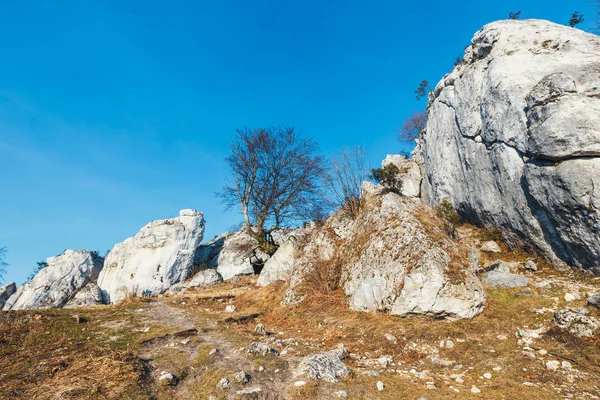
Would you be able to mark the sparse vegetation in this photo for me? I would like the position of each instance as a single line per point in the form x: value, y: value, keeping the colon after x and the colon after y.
x: 450, y: 218
x: 576, y: 19
x: 514, y: 15
x: 494, y: 234
x: 3, y: 264
x: 389, y: 177
x: 344, y: 178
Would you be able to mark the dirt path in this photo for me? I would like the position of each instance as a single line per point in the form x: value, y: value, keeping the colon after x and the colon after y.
x: 186, y: 353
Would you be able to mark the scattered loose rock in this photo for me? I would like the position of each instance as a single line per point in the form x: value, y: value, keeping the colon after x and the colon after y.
x: 261, y: 349
x: 380, y: 386
x: 260, y: 330
x: 242, y: 377
x: 167, y: 379
x: 224, y: 383
x: 327, y: 366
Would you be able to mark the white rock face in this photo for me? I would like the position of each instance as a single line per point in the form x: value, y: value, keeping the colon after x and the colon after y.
x: 233, y: 253
x: 89, y: 295
x: 410, y: 172
x: 6, y: 291
x: 157, y: 257
x: 280, y: 266
x: 387, y: 261
x: 513, y: 138
x: 206, y: 277
x: 55, y: 284
x: 229, y: 253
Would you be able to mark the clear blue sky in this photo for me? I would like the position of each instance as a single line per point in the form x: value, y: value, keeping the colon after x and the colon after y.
x: 115, y: 113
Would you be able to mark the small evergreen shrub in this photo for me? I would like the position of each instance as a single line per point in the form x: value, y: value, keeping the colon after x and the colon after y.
x: 388, y: 177
x: 450, y: 218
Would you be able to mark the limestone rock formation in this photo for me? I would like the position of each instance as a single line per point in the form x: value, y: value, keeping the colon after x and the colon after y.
x: 410, y: 173
x: 281, y: 265
x: 235, y: 253
x: 230, y: 254
x: 55, y: 284
x: 158, y: 256
x: 387, y: 259
x: 513, y: 138
x: 206, y: 277
x: 89, y: 295
x: 6, y: 291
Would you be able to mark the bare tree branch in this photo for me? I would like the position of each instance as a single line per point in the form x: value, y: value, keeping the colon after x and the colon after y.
x: 413, y: 126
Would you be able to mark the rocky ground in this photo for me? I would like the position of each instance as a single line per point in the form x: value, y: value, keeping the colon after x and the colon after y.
x: 195, y: 345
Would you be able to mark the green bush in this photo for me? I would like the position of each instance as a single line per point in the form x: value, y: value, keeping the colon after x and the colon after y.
x: 450, y: 218
x: 389, y: 177
x: 491, y: 234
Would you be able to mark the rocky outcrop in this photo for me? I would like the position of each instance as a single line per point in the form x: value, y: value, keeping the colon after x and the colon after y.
x: 158, y: 256
x: 206, y: 277
x: 410, y: 174
x: 89, y: 295
x: 513, y: 138
x: 236, y: 253
x: 6, y: 291
x: 387, y: 259
x: 55, y: 284
x: 230, y: 254
x: 577, y: 321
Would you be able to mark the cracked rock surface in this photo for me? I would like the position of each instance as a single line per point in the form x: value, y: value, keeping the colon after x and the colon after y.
x: 387, y: 260
x: 513, y: 138
x: 158, y: 256
x: 55, y: 284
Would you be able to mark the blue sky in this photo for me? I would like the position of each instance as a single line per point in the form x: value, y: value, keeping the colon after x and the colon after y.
x: 115, y: 113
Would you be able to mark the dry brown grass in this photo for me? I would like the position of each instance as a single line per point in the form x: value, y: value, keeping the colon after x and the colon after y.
x: 328, y: 319
x: 47, y: 355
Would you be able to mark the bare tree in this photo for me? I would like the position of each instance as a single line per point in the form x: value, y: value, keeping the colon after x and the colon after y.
x: 345, y: 176
x: 276, y: 180
x: 3, y: 264
x: 413, y: 126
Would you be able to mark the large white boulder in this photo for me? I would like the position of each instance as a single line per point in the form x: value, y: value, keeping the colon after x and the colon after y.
x: 280, y: 266
x: 388, y: 259
x: 53, y: 285
x: 513, y: 138
x: 158, y: 256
